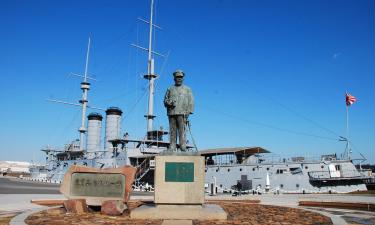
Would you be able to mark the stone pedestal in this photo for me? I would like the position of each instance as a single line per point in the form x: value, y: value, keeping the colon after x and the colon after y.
x: 76, y: 206
x: 179, y: 191
x: 113, y: 207
x: 179, y: 179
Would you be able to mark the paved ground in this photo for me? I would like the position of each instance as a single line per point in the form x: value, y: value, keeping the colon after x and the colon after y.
x: 18, y: 186
x: 293, y: 199
x: 16, y: 194
x: 351, y: 216
x: 11, y: 203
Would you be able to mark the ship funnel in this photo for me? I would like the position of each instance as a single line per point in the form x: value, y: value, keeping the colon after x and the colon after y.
x: 112, y: 126
x: 94, y: 128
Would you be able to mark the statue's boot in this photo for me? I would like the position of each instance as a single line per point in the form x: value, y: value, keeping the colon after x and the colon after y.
x: 172, y: 148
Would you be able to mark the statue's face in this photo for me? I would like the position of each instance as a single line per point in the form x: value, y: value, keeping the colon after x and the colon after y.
x: 178, y: 81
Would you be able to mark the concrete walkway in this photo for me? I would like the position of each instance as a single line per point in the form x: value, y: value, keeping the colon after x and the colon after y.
x: 20, y: 219
x: 291, y: 200
x: 21, y: 204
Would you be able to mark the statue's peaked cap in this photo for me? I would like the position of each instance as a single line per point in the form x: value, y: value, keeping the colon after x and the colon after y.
x: 179, y: 73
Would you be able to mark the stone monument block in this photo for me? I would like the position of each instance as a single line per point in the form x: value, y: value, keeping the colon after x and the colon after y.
x: 76, y: 206
x: 113, y: 207
x: 182, y: 175
x: 98, y: 185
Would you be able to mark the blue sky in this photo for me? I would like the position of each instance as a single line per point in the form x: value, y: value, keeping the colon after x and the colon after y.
x: 264, y: 73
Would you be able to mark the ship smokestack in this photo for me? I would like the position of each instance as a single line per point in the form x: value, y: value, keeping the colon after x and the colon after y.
x: 94, y: 128
x: 112, y: 126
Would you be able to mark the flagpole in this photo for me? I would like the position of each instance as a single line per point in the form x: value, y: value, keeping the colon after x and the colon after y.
x: 347, y: 132
x: 349, y: 99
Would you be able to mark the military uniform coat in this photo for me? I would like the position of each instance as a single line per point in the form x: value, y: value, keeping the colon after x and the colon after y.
x: 179, y: 100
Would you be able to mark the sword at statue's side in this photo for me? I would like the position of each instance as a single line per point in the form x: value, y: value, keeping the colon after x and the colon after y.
x: 188, y: 125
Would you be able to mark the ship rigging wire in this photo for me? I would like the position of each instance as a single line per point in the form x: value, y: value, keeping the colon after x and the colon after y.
x: 146, y: 87
x: 295, y: 112
x: 64, y: 132
x: 268, y: 125
x: 288, y: 108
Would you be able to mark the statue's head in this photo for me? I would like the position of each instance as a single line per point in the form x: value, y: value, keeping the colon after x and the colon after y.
x: 178, y: 77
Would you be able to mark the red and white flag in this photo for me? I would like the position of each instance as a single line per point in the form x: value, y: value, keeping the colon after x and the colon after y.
x: 350, y: 99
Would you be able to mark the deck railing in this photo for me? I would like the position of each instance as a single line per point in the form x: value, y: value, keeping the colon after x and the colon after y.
x: 343, y: 174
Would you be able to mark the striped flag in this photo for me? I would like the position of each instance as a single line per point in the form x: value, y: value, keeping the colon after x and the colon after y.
x: 350, y: 99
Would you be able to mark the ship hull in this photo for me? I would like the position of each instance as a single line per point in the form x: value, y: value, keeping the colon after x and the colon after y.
x: 287, y: 177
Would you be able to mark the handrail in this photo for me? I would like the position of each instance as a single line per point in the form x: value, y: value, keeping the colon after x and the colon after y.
x: 343, y: 174
x: 142, y: 169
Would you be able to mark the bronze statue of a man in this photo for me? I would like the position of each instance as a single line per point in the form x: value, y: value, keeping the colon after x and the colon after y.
x: 179, y: 102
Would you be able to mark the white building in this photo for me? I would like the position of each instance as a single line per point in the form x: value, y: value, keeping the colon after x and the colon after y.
x: 14, y: 167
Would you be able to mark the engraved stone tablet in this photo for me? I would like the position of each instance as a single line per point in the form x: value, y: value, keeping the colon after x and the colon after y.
x: 179, y: 172
x: 97, y: 185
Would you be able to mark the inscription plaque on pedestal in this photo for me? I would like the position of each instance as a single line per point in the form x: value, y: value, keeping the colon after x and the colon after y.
x: 98, y: 185
x: 179, y: 172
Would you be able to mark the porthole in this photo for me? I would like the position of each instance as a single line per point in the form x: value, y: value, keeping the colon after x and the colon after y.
x: 297, y: 185
x: 253, y: 169
x: 306, y: 167
x: 240, y: 169
x: 217, y: 170
x: 228, y: 170
x: 322, y: 166
x: 268, y: 168
x: 281, y: 185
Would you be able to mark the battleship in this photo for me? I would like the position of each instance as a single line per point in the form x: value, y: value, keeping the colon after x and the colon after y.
x: 253, y: 169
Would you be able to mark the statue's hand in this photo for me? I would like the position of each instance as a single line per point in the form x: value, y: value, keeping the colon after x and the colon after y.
x: 170, y: 103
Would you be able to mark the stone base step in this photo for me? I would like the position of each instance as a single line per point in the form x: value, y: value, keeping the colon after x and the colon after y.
x: 177, y: 222
x: 179, y: 212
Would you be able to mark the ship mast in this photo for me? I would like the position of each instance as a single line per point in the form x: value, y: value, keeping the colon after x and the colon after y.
x: 150, y: 76
x: 85, y: 86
